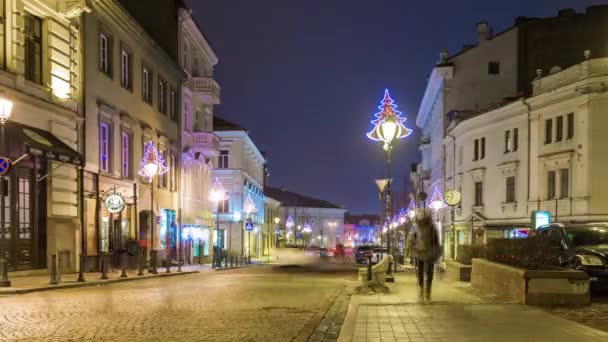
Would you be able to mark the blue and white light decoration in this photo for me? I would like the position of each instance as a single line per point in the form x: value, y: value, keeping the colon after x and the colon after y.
x: 436, y: 202
x: 388, y: 125
x: 411, y: 209
x: 402, y: 217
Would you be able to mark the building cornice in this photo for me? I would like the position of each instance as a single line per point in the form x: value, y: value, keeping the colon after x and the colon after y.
x: 190, y: 27
x: 433, y: 88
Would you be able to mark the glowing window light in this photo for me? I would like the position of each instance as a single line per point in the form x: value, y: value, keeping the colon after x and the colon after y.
x: 152, y: 164
x: 388, y: 125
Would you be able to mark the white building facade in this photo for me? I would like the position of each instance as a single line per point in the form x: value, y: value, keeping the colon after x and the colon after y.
x: 541, y: 153
x: 199, y: 144
x: 240, y: 169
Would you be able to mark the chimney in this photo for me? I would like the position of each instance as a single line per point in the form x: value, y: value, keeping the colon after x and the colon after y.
x: 483, y: 31
x: 443, y: 56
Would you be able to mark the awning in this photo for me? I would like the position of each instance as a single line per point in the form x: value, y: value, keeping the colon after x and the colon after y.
x: 39, y: 142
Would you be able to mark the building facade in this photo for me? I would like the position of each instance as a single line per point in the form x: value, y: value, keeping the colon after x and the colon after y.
x: 490, y: 74
x: 41, y: 77
x: 199, y: 144
x: 324, y: 219
x: 542, y: 153
x: 240, y: 169
x: 132, y: 96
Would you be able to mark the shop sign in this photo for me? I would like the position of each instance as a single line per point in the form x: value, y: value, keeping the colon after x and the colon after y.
x: 114, y: 202
x: 540, y: 218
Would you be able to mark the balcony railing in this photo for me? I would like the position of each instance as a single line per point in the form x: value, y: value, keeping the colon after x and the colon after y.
x: 206, y: 143
x: 206, y: 88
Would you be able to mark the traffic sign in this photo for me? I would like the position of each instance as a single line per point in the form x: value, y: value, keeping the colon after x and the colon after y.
x: 5, y: 165
x: 249, y: 226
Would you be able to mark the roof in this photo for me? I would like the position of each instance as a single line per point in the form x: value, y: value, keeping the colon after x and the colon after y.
x: 220, y: 124
x: 291, y: 199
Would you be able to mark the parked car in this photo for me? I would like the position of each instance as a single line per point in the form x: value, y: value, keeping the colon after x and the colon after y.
x: 361, y: 254
x: 326, y: 253
x: 582, y: 247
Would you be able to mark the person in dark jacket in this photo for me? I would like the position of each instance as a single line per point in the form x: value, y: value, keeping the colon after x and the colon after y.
x: 425, y: 248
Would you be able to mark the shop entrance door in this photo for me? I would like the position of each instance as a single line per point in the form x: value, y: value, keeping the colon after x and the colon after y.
x: 20, y: 231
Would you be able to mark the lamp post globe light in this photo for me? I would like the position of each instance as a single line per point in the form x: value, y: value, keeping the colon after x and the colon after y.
x: 6, y: 109
x: 277, y: 220
x: 152, y: 165
x: 289, y: 225
x: 217, y: 195
x: 388, y: 127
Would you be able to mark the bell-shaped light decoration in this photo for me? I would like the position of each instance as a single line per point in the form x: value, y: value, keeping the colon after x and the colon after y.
x: 152, y: 164
x: 249, y: 206
x: 388, y: 125
x: 217, y: 193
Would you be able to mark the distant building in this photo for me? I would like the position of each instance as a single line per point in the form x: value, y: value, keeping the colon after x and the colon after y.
x: 240, y: 168
x: 325, y: 219
x: 497, y: 70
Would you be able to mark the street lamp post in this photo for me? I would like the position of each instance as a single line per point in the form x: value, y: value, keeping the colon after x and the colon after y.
x: 152, y: 165
x: 388, y: 127
x: 276, y: 240
x: 289, y: 225
x: 216, y: 195
x: 6, y: 108
x: 249, y: 208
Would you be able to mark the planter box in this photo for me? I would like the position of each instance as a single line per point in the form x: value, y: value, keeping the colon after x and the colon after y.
x: 546, y: 287
x: 457, y: 271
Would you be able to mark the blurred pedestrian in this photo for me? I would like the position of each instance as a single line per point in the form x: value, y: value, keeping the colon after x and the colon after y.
x: 424, y: 245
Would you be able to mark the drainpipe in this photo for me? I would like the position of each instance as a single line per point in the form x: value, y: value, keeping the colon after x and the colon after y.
x: 525, y: 102
x: 83, y: 230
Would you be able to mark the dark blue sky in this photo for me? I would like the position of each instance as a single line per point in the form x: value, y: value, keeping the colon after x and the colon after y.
x: 305, y: 77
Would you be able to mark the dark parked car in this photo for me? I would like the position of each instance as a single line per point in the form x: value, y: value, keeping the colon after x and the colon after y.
x: 580, y: 246
x: 361, y: 254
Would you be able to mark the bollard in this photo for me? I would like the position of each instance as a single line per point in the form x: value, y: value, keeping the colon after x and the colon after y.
x: 179, y: 265
x: 226, y: 261
x: 54, y: 278
x: 249, y: 259
x: 214, y: 261
x: 168, y: 264
x: 369, y: 268
x: 140, y: 265
x: 104, y: 267
x: 232, y: 261
x: 124, y: 266
x: 153, y: 261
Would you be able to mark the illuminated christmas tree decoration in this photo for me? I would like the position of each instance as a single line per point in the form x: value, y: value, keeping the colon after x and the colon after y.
x: 152, y: 164
x: 217, y: 192
x: 436, y: 201
x: 289, y: 222
x: 249, y: 206
x: 402, y: 216
x: 411, y: 209
x: 388, y: 125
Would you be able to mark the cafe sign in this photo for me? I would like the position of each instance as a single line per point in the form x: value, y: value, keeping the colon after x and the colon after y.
x: 114, y: 202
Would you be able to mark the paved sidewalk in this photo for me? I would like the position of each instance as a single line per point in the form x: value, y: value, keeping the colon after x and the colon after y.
x: 20, y: 285
x: 457, y: 313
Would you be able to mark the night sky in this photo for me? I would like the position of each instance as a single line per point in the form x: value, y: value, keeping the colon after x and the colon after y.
x: 306, y: 76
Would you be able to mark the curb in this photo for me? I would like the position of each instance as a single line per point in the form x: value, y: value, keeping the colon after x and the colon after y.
x: 230, y: 268
x: 92, y: 283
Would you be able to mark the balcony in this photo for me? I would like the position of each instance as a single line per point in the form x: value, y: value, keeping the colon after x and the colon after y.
x: 206, y: 89
x: 206, y: 143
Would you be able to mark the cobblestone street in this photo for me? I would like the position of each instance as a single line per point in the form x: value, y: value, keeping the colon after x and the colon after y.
x: 252, y: 304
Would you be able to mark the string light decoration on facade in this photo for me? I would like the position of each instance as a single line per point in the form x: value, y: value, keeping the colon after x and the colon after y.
x: 152, y: 164
x: 249, y: 206
x: 436, y: 202
x: 388, y: 125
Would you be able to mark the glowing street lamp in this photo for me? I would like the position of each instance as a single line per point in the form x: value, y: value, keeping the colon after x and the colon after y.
x: 6, y: 109
x: 388, y: 127
x: 217, y: 195
x: 152, y: 165
x: 411, y: 209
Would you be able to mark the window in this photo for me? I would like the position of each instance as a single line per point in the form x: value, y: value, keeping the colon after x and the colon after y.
x: 105, y: 54
x: 559, y: 135
x: 493, y: 68
x: 483, y: 148
x: 564, y: 180
x: 222, y: 160
x: 548, y: 131
x: 507, y: 141
x: 476, y: 150
x: 172, y: 104
x: 570, y: 126
x: 551, y: 185
x: 125, y: 147
x: 510, y: 189
x: 222, y: 206
x: 2, y: 35
x: 515, y: 139
x: 146, y: 85
x: 460, y: 154
x: 125, y: 70
x: 32, y: 34
x: 173, y: 168
x: 104, y: 147
x: 162, y: 97
x: 162, y: 181
x: 478, y: 194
